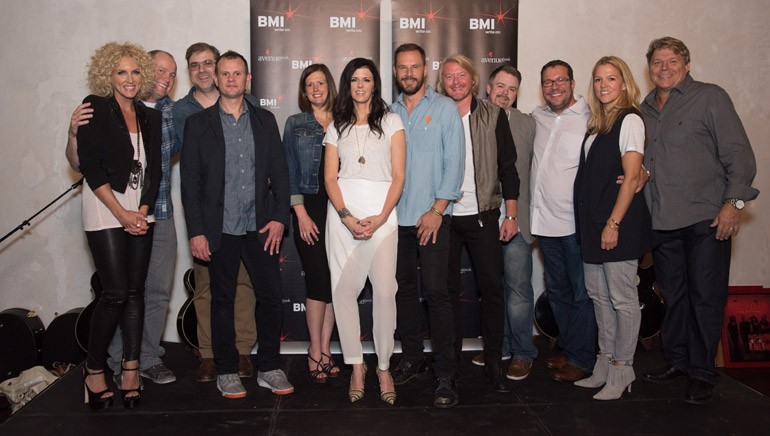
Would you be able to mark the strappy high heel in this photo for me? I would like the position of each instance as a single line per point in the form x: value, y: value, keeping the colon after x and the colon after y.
x: 131, y: 401
x: 357, y: 394
x: 331, y: 366
x: 95, y: 399
x: 318, y: 375
x: 387, y: 396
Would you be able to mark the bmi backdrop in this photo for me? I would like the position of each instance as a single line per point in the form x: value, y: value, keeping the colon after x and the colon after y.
x: 287, y: 36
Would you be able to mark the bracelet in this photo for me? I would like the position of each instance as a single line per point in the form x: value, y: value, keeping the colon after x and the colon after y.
x: 646, y: 170
x: 614, y: 225
x: 508, y: 217
x: 436, y: 212
x: 344, y: 213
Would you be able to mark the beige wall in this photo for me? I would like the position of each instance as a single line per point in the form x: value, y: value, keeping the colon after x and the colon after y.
x: 46, y: 46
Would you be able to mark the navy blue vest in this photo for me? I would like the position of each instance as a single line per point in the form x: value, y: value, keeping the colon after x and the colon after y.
x: 595, y: 193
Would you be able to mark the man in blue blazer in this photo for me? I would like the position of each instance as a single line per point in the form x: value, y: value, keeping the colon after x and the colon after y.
x: 235, y: 192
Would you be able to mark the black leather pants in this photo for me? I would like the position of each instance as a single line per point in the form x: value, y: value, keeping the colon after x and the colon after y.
x: 121, y: 261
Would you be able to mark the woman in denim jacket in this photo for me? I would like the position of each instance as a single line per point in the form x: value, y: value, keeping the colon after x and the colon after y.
x: 303, y: 142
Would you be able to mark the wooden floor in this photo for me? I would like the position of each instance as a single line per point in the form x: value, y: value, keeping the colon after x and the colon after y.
x: 537, y: 406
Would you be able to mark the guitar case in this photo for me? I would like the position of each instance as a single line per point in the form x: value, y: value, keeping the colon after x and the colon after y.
x: 60, y: 345
x: 187, y: 320
x: 21, y: 339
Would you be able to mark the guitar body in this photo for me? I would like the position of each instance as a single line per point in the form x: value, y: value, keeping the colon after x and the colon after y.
x: 83, y: 323
x: 21, y: 339
x: 60, y: 345
x: 653, y: 308
x: 187, y: 320
x: 544, y: 320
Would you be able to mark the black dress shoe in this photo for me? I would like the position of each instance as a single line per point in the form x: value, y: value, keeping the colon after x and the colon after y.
x: 406, y: 371
x: 497, y: 380
x: 664, y: 375
x: 445, y: 394
x: 698, y: 392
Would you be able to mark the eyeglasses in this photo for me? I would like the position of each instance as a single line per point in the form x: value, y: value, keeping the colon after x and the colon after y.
x: 195, y: 66
x: 557, y: 81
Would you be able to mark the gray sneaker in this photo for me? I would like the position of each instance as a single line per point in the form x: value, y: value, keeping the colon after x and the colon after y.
x: 276, y: 381
x: 158, y: 374
x: 230, y: 385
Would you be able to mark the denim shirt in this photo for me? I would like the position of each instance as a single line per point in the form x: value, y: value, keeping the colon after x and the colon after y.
x: 303, y: 144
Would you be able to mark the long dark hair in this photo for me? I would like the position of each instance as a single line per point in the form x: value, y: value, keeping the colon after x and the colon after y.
x: 343, y: 112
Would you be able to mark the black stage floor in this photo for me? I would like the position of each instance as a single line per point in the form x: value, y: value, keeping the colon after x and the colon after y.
x: 537, y: 406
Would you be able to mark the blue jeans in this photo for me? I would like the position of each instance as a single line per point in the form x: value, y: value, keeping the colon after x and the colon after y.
x: 572, y: 310
x: 519, y: 300
x: 157, y: 291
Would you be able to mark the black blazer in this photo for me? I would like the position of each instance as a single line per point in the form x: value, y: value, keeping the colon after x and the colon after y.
x: 202, y: 171
x: 105, y: 151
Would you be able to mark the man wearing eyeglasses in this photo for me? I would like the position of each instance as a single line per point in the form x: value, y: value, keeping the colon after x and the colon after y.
x: 560, y: 128
x: 201, y: 60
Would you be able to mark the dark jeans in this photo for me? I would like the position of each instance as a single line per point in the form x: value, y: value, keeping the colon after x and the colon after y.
x: 486, y: 253
x: 692, y: 268
x: 572, y: 309
x: 121, y: 261
x: 265, y: 276
x: 434, y: 264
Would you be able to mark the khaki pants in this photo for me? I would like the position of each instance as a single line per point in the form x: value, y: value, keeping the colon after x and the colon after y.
x: 245, y: 303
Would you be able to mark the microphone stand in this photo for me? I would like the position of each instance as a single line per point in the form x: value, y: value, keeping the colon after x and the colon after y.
x: 26, y: 222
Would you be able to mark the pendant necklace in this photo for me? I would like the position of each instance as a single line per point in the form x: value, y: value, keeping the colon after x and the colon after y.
x: 136, y: 178
x: 361, y: 158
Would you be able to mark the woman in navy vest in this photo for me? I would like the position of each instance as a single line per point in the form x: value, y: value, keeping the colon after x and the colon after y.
x: 613, y: 222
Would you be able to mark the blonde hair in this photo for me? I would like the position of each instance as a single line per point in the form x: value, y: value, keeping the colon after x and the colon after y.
x: 601, y: 121
x: 466, y: 64
x: 105, y: 59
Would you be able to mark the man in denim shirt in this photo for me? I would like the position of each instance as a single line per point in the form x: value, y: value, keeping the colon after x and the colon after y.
x: 434, y: 171
x: 160, y: 274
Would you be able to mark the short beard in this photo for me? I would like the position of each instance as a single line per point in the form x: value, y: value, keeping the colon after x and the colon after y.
x: 414, y: 91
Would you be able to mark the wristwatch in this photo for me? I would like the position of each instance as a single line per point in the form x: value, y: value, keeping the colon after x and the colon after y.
x: 736, y: 203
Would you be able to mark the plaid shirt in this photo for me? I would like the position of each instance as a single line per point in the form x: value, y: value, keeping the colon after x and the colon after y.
x: 164, y: 209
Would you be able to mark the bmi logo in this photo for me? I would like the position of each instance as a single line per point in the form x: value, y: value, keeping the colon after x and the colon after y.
x: 342, y: 22
x: 482, y: 24
x: 268, y: 102
x: 411, y: 23
x: 268, y: 21
x: 300, y: 64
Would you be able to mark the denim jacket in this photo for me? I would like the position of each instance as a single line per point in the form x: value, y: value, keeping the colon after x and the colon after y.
x: 303, y: 145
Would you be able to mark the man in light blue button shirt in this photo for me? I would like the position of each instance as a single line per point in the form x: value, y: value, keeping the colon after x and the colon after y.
x: 435, y: 163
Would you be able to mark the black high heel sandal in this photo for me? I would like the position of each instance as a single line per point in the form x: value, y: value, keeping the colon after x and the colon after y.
x: 318, y: 375
x: 329, y: 367
x: 129, y: 402
x: 95, y: 399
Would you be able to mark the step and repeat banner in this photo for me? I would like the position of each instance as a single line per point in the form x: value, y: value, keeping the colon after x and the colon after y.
x: 289, y: 35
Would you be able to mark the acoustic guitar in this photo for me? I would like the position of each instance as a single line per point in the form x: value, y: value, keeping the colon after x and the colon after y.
x: 83, y: 323
x: 650, y: 302
x: 187, y: 320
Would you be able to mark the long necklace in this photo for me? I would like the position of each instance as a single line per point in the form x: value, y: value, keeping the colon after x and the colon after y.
x: 361, y: 158
x: 136, y: 177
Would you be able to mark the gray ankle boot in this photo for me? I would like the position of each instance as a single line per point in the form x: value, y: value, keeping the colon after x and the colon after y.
x: 619, y: 378
x: 599, y: 376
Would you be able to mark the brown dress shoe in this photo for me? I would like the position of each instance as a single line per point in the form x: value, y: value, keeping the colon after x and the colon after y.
x: 556, y: 362
x: 568, y: 373
x: 207, y: 371
x: 245, y: 366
